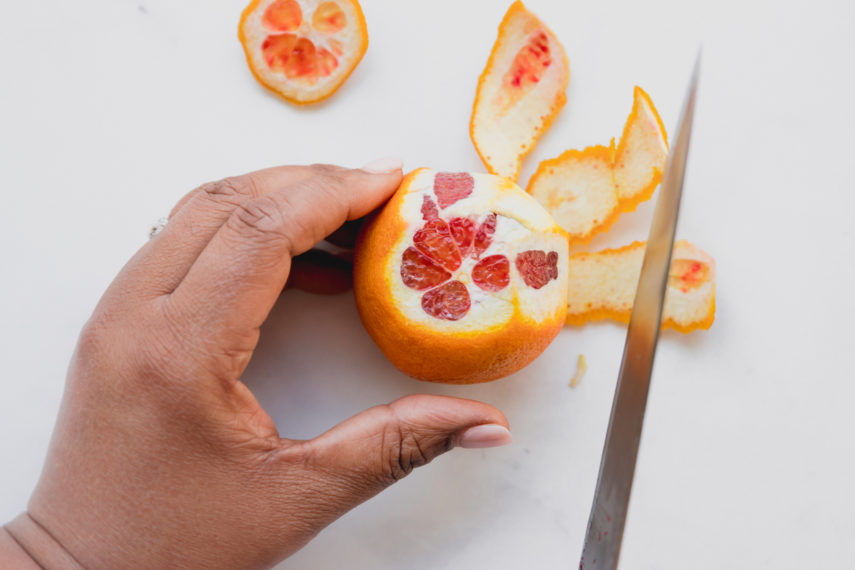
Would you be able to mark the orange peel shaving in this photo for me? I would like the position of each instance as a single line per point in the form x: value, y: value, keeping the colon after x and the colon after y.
x: 520, y: 91
x: 303, y: 50
x: 603, y: 284
x: 641, y: 153
x: 587, y: 190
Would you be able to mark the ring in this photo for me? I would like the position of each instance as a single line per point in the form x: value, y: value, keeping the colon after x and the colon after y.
x: 157, y: 227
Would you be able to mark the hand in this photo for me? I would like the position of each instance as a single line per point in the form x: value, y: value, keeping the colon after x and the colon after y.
x: 161, y: 456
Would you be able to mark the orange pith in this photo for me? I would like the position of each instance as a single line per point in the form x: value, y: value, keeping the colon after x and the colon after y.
x: 588, y: 190
x: 526, y: 70
x: 303, y: 49
x: 433, y: 265
x: 520, y: 91
x: 602, y: 286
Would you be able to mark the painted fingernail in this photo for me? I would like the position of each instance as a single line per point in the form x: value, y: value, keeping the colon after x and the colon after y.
x: 487, y: 435
x: 384, y: 165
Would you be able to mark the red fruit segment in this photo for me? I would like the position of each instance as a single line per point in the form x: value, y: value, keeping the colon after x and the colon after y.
x: 326, y: 62
x: 429, y: 210
x: 329, y: 18
x: 449, y: 301
x: 463, y: 232
x: 527, y: 68
x: 277, y: 50
x: 484, y: 237
x: 450, y: 187
x: 419, y: 272
x: 302, y: 62
x: 435, y: 241
x: 492, y: 273
x: 282, y: 16
x: 537, y: 267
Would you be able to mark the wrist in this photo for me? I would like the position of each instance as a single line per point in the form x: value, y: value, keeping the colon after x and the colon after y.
x: 27, y: 544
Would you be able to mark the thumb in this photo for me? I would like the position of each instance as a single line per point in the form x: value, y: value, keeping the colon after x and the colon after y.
x: 368, y: 452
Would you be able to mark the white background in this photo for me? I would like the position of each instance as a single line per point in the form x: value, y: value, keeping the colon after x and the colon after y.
x: 111, y: 109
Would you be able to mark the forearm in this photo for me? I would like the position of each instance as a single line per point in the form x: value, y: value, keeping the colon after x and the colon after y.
x: 25, y: 545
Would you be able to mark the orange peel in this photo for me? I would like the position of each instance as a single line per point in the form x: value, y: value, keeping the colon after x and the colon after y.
x: 461, y: 277
x: 578, y: 189
x: 587, y: 190
x: 603, y: 284
x: 520, y: 91
x: 641, y: 153
x: 303, y: 50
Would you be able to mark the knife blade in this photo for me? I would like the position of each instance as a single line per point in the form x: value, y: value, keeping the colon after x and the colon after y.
x: 603, y: 539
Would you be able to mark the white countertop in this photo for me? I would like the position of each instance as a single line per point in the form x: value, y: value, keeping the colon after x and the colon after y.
x: 110, y: 110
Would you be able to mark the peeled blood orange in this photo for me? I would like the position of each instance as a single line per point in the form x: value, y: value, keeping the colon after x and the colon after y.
x: 303, y: 49
x: 461, y: 278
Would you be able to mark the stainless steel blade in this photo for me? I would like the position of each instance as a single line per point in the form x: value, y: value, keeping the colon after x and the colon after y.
x: 617, y: 466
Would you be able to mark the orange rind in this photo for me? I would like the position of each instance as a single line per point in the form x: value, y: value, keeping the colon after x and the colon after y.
x: 641, y: 153
x: 578, y: 189
x: 303, y: 50
x: 603, y: 285
x: 587, y: 190
x: 461, y: 277
x: 520, y: 91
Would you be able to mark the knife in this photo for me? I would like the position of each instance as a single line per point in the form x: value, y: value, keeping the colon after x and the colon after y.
x: 620, y: 451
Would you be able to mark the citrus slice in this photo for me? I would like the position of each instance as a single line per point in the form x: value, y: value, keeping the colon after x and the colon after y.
x: 603, y: 284
x: 641, y: 153
x: 520, y: 91
x: 587, y: 190
x: 303, y: 50
x: 461, y: 277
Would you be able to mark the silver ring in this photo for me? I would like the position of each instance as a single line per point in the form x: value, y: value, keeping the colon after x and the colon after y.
x: 157, y: 227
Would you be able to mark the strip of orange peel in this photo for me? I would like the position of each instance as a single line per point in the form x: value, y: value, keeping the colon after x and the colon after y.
x: 586, y: 191
x: 520, y: 91
x: 603, y: 284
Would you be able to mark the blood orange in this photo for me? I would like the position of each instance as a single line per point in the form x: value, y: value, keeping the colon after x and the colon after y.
x: 303, y: 49
x: 462, y: 277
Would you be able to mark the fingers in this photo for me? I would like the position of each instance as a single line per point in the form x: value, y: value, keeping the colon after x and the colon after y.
x: 368, y: 452
x: 233, y: 283
x: 165, y: 260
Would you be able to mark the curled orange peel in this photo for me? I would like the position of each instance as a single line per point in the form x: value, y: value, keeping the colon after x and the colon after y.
x: 586, y: 191
x: 520, y: 91
x: 578, y: 189
x: 603, y: 284
x: 641, y: 153
x: 303, y: 50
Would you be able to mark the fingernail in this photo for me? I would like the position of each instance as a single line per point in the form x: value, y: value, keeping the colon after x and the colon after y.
x: 487, y: 435
x: 384, y: 165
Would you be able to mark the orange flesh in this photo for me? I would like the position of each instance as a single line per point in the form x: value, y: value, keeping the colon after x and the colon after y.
x: 283, y: 16
x: 302, y: 62
x: 277, y: 50
x: 526, y: 70
x: 686, y: 274
x: 329, y: 18
x: 298, y: 57
x: 440, y: 246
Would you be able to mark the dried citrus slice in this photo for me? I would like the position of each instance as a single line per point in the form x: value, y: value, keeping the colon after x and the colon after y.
x: 461, y: 278
x: 603, y: 284
x: 641, y: 153
x: 519, y: 93
x: 303, y: 49
x: 587, y: 190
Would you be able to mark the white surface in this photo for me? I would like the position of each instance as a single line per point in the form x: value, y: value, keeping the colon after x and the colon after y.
x: 110, y: 110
